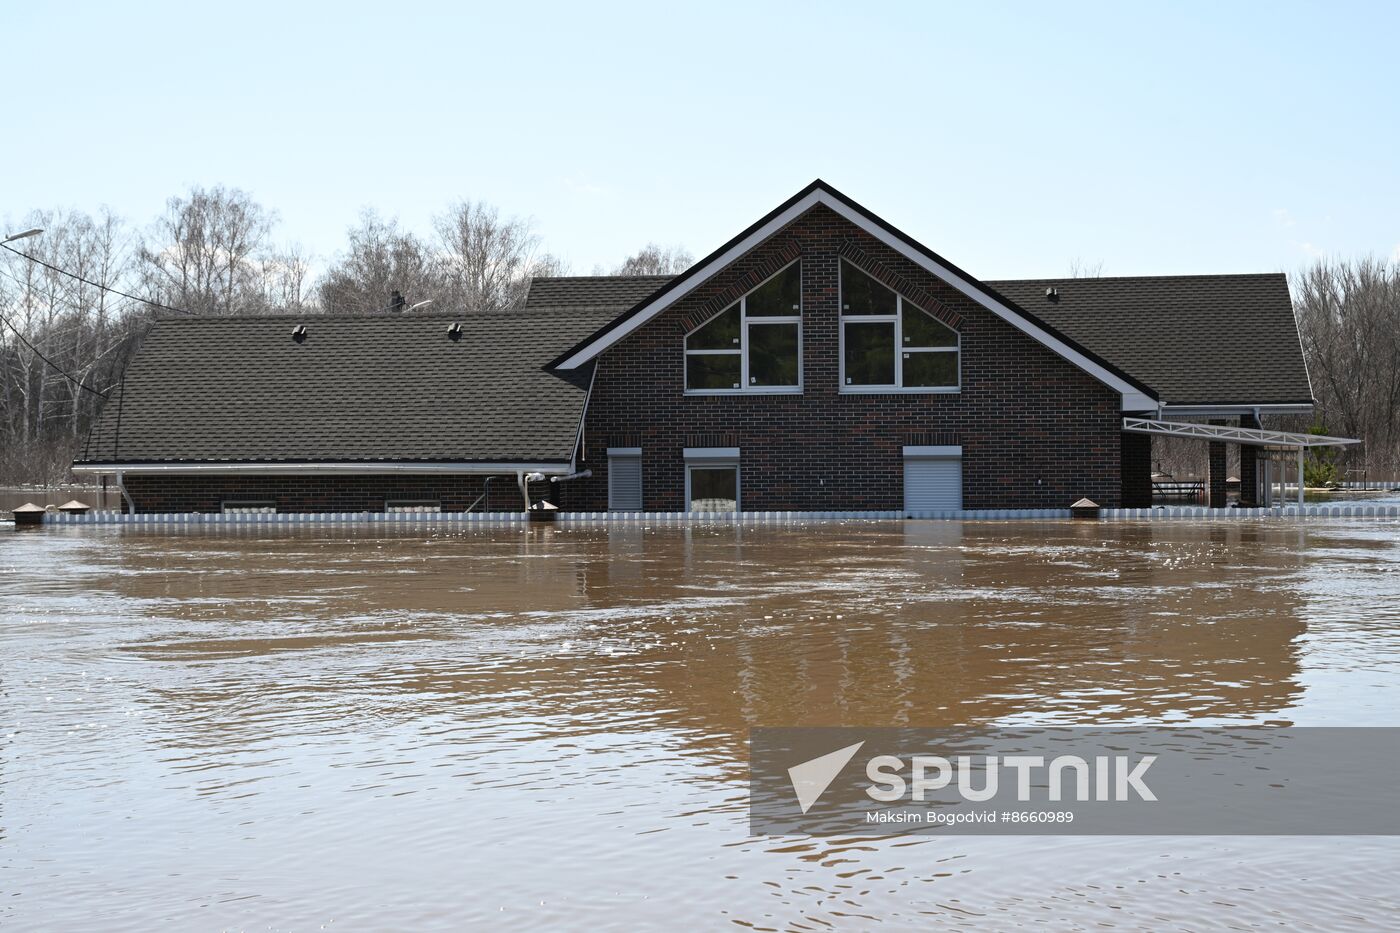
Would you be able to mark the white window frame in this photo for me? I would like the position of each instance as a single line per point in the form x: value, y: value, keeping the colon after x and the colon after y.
x: 743, y: 350
x: 900, y: 351
x: 715, y: 458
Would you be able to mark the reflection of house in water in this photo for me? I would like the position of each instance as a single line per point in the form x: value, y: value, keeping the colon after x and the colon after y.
x: 709, y: 631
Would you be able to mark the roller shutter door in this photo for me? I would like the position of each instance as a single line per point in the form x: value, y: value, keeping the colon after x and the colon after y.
x: 932, y: 483
x: 625, y: 483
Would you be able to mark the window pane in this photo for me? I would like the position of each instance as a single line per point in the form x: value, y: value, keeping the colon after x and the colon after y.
x: 921, y: 329
x: 935, y: 369
x: 772, y: 354
x: 870, y: 354
x: 714, y: 489
x: 780, y: 296
x: 721, y: 333
x: 860, y: 294
x: 712, y: 371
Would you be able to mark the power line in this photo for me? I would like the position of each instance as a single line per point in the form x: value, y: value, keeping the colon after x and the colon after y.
x: 105, y: 288
x: 71, y: 302
x: 59, y: 369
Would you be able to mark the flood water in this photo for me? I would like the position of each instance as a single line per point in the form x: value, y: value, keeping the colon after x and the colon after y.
x: 545, y: 728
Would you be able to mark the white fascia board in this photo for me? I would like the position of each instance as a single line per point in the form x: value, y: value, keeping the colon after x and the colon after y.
x: 680, y: 291
x: 712, y: 453
x: 298, y: 469
x: 1133, y: 399
x: 1206, y: 411
x: 923, y: 450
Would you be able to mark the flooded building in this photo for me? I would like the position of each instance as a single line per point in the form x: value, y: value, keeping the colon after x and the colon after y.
x: 819, y: 360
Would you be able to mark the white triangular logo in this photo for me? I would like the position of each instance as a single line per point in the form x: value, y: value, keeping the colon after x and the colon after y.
x: 811, y: 778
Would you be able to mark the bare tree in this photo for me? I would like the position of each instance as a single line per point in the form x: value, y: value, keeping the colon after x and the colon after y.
x: 203, y: 254
x: 654, y: 259
x: 380, y: 260
x: 1349, y: 322
x: 487, y: 262
x: 63, y: 339
x: 1080, y: 269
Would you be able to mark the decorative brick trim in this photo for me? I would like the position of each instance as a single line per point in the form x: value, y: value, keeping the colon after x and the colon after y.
x: 743, y: 284
x: 712, y: 440
x: 932, y: 439
x: 886, y: 276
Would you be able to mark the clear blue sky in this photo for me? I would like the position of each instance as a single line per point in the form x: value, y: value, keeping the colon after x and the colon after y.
x: 1012, y: 138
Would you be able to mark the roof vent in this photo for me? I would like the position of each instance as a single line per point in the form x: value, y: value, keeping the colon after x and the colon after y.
x: 299, y: 333
x: 1052, y: 294
x: 454, y: 332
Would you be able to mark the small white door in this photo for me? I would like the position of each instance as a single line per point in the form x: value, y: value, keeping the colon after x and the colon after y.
x: 625, y: 483
x: 932, y: 483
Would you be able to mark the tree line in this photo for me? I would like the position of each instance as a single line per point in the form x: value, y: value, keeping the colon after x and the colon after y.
x: 212, y: 251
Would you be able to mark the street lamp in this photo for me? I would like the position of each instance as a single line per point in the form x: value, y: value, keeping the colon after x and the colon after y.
x: 21, y: 236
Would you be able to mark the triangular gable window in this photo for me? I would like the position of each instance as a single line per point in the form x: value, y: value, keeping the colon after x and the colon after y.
x: 754, y: 345
x: 888, y: 342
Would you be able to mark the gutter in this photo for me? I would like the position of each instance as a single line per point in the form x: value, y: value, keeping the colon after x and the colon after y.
x: 349, y: 468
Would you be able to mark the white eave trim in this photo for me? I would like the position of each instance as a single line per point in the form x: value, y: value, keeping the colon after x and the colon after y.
x: 1133, y: 397
x: 1205, y: 411
x: 291, y: 469
x: 711, y: 453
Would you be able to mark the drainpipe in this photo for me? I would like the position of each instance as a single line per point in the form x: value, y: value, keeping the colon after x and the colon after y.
x: 131, y: 506
x: 524, y: 488
x: 1300, y: 477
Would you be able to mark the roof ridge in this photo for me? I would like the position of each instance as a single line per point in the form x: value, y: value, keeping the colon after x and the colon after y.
x: 1144, y: 278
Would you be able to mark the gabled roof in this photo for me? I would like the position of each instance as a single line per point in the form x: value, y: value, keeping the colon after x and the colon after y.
x: 379, y: 389
x: 1136, y: 395
x: 1204, y: 340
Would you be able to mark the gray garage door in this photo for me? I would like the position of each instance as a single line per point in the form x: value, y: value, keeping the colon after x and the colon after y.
x: 932, y: 483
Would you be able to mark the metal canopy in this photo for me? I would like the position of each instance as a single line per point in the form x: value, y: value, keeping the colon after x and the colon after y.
x: 1231, y: 435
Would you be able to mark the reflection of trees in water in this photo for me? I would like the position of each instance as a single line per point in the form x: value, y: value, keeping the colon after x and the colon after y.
x: 708, y: 631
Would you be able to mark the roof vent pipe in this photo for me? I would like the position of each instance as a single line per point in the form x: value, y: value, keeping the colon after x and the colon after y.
x: 299, y: 333
x: 397, y: 302
x: 454, y: 332
x: 1052, y: 294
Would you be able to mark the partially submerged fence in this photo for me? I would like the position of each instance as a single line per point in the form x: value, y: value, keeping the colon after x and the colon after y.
x: 481, y: 519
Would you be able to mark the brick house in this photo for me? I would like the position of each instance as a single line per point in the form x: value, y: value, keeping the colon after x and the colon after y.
x: 819, y: 360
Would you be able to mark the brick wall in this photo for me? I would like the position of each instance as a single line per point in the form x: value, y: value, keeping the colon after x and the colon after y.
x: 1036, y: 431
x: 321, y: 493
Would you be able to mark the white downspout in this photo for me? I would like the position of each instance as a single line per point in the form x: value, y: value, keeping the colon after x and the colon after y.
x: 524, y: 489
x: 1300, y: 477
x: 126, y: 498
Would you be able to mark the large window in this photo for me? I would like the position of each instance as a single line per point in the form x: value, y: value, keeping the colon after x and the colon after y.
x: 890, y: 343
x: 713, y: 488
x: 711, y: 479
x: 754, y: 345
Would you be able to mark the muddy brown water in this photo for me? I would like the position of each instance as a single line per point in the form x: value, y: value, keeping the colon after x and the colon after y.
x: 545, y: 728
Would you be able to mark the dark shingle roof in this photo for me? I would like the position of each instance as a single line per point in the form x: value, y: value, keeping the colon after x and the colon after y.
x: 1195, y: 339
x: 620, y: 291
x: 380, y: 388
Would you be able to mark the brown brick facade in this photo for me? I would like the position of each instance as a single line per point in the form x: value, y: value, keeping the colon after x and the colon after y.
x: 322, y: 492
x: 1036, y: 431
